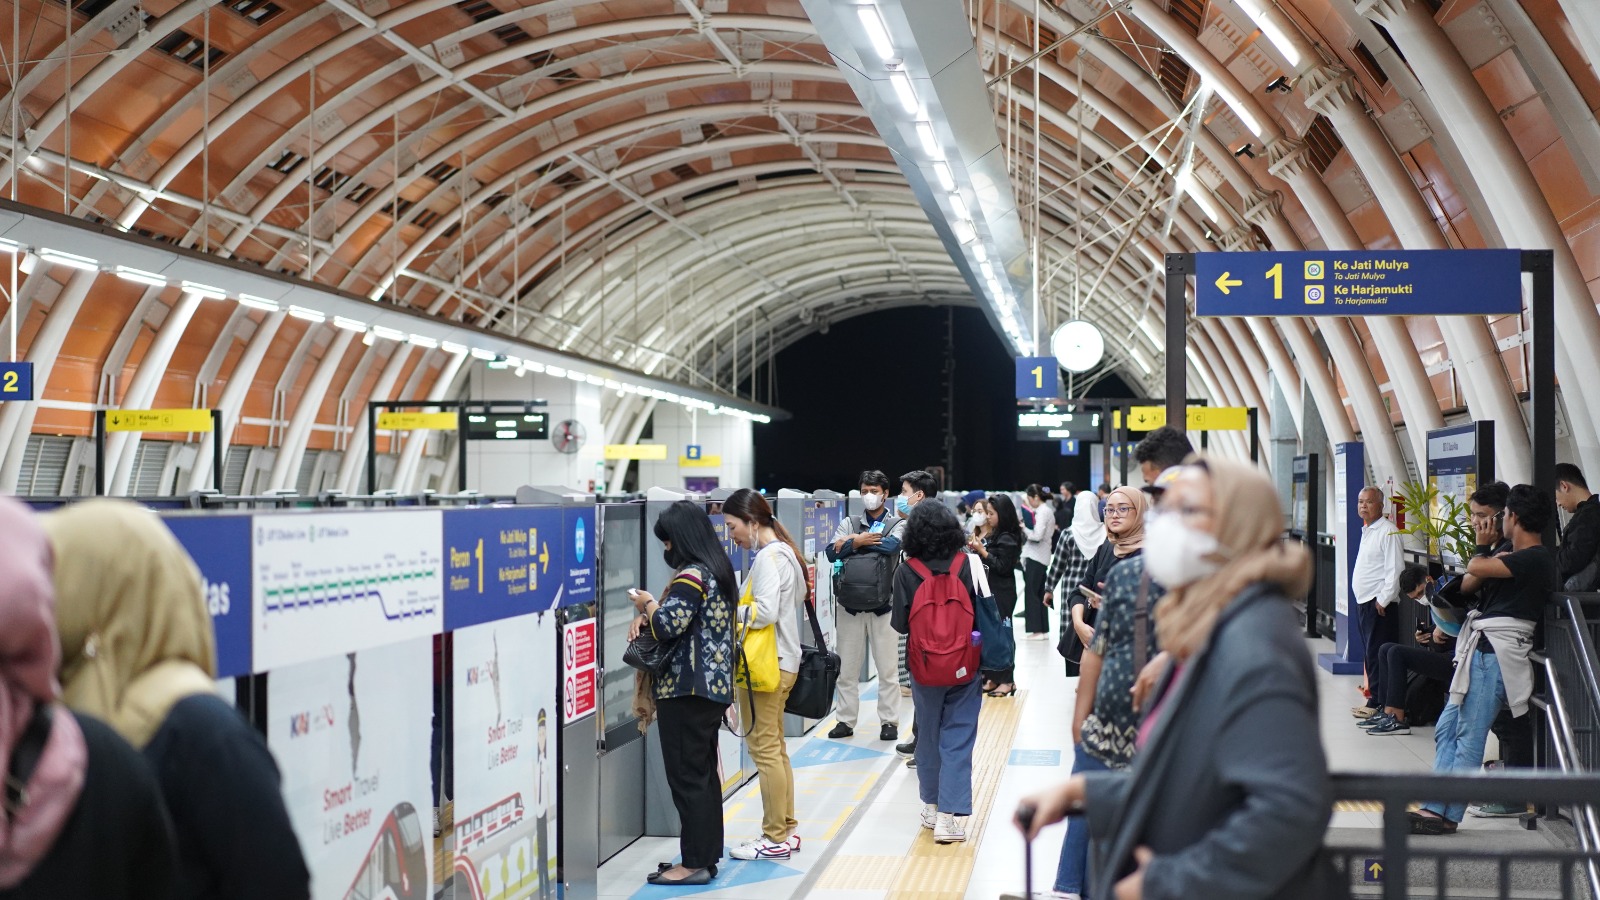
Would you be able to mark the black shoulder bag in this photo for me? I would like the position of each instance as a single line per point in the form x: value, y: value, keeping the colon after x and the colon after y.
x: 812, y: 696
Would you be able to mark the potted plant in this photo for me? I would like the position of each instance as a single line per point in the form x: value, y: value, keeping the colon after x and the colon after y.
x: 1440, y: 522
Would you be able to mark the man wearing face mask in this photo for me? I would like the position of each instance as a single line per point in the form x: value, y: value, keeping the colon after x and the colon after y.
x: 916, y: 486
x: 867, y: 549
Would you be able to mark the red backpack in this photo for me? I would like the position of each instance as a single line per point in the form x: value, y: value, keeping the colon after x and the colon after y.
x: 939, y: 648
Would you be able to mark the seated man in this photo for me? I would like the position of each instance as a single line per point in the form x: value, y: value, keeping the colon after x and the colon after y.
x: 1431, y: 658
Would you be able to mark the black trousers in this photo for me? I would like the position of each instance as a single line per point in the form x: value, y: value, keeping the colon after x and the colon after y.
x: 1516, y: 739
x: 689, y: 749
x: 1035, y: 617
x: 1396, y: 661
x: 1376, y: 631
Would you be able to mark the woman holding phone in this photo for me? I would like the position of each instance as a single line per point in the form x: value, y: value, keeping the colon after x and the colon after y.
x: 694, y: 691
x: 999, y: 547
x: 1125, y: 510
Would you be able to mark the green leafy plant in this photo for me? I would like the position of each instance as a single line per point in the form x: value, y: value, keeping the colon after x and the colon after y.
x: 1439, y: 519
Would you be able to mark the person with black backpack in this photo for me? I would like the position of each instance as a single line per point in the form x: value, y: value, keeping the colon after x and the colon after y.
x: 933, y: 606
x: 866, y: 553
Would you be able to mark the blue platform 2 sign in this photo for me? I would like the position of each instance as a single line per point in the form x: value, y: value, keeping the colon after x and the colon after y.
x: 1038, y: 377
x: 220, y: 547
x: 16, y: 381
x: 1359, y: 283
x: 501, y: 563
x: 693, y: 451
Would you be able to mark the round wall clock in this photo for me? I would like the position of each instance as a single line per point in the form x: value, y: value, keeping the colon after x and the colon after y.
x: 1078, y: 346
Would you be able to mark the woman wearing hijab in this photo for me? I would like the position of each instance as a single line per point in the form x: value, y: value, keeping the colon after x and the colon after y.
x: 138, y: 652
x: 1125, y: 509
x: 1229, y: 795
x: 87, y: 820
x: 1074, y: 553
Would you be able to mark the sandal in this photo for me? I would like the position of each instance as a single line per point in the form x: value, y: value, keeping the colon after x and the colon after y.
x: 1012, y: 692
x: 662, y: 867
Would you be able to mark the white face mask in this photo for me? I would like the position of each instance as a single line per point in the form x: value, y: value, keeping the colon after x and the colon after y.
x: 872, y: 502
x: 1176, y: 555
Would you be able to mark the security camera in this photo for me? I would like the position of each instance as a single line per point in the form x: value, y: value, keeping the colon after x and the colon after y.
x: 1281, y: 83
x: 1247, y: 150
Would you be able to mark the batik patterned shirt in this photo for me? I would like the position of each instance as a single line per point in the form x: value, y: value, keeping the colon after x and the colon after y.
x: 694, y: 612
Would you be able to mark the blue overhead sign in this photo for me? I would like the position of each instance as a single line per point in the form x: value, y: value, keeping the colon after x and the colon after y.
x: 501, y: 563
x: 582, y: 545
x: 16, y: 381
x: 1359, y: 283
x: 1069, y: 448
x: 1038, y: 377
x: 221, y: 550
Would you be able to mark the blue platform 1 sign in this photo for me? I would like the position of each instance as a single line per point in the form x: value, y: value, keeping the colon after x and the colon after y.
x: 16, y: 381
x: 221, y: 549
x: 1069, y: 448
x: 582, y: 545
x: 501, y: 563
x: 1359, y: 283
x: 1038, y: 377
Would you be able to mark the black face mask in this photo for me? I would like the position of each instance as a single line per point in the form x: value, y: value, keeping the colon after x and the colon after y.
x: 671, y: 558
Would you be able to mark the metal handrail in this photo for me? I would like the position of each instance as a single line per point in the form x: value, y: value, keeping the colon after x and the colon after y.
x: 1586, y: 651
x: 1566, y: 746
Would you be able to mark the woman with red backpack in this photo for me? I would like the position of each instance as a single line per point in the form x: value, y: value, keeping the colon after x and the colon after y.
x: 933, y: 607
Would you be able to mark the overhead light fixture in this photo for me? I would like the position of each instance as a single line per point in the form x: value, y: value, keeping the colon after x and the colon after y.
x: 930, y: 140
x: 575, y: 376
x: 1138, y: 358
x: 960, y: 206
x: 941, y: 171
x: 452, y: 348
x: 349, y: 324
x: 70, y: 260
x: 421, y: 341
x: 388, y: 334
x: 1280, y: 84
x: 9, y: 246
x: 555, y: 372
x: 965, y: 233
x: 310, y: 315
x: 980, y: 252
x: 536, y: 367
x: 877, y: 31
x: 595, y: 380
x: 205, y: 290
x: 260, y: 303
x: 903, y: 89
x: 140, y: 276
x: 1248, y: 150
x: 480, y: 353
x: 1258, y: 15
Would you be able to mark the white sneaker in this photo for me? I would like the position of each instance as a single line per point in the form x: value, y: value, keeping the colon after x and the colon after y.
x: 761, y: 848
x: 793, y: 843
x: 930, y: 816
x: 949, y: 829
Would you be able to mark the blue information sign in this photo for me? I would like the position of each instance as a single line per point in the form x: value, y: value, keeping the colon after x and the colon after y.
x: 220, y: 547
x: 500, y: 563
x: 693, y: 452
x: 16, y: 381
x: 1359, y: 283
x: 1038, y: 377
x: 1069, y: 448
x: 582, y: 545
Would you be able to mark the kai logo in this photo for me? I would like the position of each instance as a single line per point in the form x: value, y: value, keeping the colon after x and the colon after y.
x: 302, y: 724
x: 579, y: 543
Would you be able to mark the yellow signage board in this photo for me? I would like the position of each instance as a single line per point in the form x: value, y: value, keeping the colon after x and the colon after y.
x: 636, y: 451
x: 172, y: 420
x: 415, y: 421
x: 704, y: 462
x: 1200, y: 418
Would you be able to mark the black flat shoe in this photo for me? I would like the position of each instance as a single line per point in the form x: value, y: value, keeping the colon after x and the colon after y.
x: 662, y: 867
x: 698, y: 879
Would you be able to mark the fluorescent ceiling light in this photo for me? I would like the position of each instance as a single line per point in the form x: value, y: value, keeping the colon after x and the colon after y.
x: 349, y: 324
x: 1150, y: 332
x: 987, y: 270
x: 139, y: 276
x: 555, y: 372
x: 421, y: 341
x: 903, y: 89
x: 575, y: 376
x: 1139, y: 358
x: 1195, y: 189
x: 70, y: 260
x: 965, y: 233
x: 539, y: 367
x: 452, y: 348
x: 595, y: 380
x: 1258, y: 15
x: 479, y: 353
x: 388, y: 334
x: 205, y: 290
x: 947, y: 179
x: 1239, y: 109
x: 980, y: 252
x: 260, y: 303
x: 930, y: 141
x: 310, y: 315
x: 877, y: 31
x: 960, y: 206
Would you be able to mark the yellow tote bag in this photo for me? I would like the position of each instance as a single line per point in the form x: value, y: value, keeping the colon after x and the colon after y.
x: 758, y: 670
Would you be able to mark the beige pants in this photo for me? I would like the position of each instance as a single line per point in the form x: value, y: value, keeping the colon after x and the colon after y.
x: 771, y: 755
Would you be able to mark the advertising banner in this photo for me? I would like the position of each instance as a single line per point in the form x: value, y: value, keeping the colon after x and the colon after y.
x: 220, y: 547
x: 501, y: 563
x: 582, y: 545
x: 350, y: 734
x: 329, y: 583
x: 506, y: 729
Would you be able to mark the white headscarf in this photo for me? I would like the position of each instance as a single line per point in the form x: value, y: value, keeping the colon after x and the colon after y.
x: 1087, y: 529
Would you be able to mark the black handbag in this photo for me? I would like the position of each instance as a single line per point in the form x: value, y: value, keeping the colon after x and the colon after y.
x: 812, y: 696
x: 649, y: 655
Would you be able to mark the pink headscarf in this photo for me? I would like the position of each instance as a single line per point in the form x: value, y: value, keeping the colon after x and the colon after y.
x: 29, y: 655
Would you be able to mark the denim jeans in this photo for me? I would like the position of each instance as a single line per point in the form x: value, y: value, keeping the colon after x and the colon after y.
x: 1463, y: 728
x: 944, y: 760
x: 1072, y: 873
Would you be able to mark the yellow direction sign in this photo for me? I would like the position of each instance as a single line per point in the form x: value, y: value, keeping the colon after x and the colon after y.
x: 636, y: 451
x: 1199, y: 418
x: 704, y: 462
x: 414, y: 421
x: 172, y: 420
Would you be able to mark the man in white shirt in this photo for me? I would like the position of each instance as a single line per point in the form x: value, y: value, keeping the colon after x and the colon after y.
x: 1375, y: 583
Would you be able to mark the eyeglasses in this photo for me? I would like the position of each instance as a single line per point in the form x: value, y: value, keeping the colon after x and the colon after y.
x: 1119, y: 511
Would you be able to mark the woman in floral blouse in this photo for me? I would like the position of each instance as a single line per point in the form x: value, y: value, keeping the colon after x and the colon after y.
x: 693, y: 693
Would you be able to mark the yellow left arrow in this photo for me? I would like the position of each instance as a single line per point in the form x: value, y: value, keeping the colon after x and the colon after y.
x: 1224, y: 282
